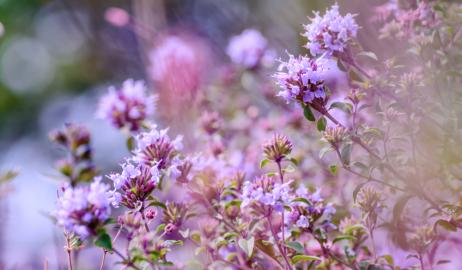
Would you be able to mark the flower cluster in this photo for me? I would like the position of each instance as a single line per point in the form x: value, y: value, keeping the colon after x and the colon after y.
x: 267, y: 191
x: 155, y: 156
x: 82, y: 210
x: 128, y: 106
x: 177, y: 65
x: 78, y: 166
x: 249, y: 49
x: 135, y: 184
x: 155, y: 148
x: 301, y: 79
x: 330, y: 33
x: 308, y: 209
x: 278, y: 148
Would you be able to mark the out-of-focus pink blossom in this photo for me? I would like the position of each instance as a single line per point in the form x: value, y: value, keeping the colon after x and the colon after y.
x: 177, y: 65
x: 117, y: 16
x: 127, y: 107
x: 250, y: 49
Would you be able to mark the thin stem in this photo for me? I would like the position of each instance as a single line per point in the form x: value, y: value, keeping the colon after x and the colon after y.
x: 101, y: 266
x: 422, y: 264
x: 69, y: 254
x: 327, y: 253
x: 233, y: 228
x: 281, y: 175
x: 143, y: 216
x: 276, y: 238
x: 125, y: 259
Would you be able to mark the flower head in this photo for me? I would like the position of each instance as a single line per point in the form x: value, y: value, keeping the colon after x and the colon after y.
x: 134, y: 184
x: 302, y: 79
x: 83, y: 210
x: 127, y: 107
x: 278, y: 148
x: 78, y: 166
x: 155, y: 148
x: 249, y: 49
x: 330, y: 33
x: 177, y: 65
x: 267, y: 191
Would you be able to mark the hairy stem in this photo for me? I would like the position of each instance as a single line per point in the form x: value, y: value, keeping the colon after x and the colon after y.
x: 278, y: 244
x: 69, y: 252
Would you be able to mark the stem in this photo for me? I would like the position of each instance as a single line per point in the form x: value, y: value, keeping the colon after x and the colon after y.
x: 144, y: 217
x: 125, y: 259
x: 105, y: 251
x: 276, y: 238
x: 281, y: 175
x: 69, y: 255
x: 374, y: 250
x: 422, y: 265
x: 417, y: 191
x: 233, y: 228
x: 101, y: 266
x: 327, y: 253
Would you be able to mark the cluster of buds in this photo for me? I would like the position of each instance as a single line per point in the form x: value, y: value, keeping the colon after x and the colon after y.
x: 210, y: 122
x: 301, y: 79
x: 155, y: 148
x: 330, y: 33
x: 127, y: 107
x: 278, y: 148
x: 370, y: 202
x: 250, y: 49
x: 132, y: 222
x: 78, y: 166
x: 83, y: 210
x: 355, y: 96
x: 134, y: 184
x: 175, y: 214
x: 422, y: 238
x: 335, y: 135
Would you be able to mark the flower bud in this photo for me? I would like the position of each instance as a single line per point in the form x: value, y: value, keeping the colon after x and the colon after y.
x: 277, y: 148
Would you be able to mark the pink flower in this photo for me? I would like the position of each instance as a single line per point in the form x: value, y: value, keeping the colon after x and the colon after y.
x: 117, y: 16
x: 128, y: 106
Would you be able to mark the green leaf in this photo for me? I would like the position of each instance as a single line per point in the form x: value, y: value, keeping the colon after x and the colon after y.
x: 389, y: 259
x: 308, y: 113
x: 341, y: 66
x: 263, y: 163
x: 247, y: 245
x: 294, y: 161
x: 345, y: 153
x: 446, y: 225
x: 297, y: 246
x: 303, y: 200
x: 333, y: 169
x: 343, y: 106
x: 370, y: 55
x: 196, y: 237
x: 130, y: 143
x: 321, y: 125
x: 103, y: 240
x: 160, y: 228
x: 443, y: 262
x: 350, y: 229
x: 158, y: 204
x: 233, y: 203
x: 344, y: 237
x: 304, y: 258
x: 326, y: 149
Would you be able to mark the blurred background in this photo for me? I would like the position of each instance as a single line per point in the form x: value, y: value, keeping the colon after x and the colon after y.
x: 57, y: 58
